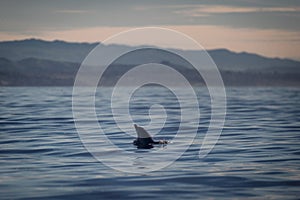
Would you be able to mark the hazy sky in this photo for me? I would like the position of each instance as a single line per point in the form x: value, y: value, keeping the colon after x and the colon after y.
x: 267, y: 27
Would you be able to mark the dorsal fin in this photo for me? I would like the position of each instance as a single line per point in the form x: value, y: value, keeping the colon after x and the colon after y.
x: 141, y: 132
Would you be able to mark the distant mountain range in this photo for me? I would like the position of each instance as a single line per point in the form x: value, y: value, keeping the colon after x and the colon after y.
x: 43, y: 63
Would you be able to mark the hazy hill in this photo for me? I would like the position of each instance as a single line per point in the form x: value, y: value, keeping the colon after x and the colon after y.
x: 56, y: 50
x: 43, y: 63
x: 36, y: 72
x: 228, y: 60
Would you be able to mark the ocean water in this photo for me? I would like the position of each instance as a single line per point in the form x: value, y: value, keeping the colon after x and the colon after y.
x: 256, y: 157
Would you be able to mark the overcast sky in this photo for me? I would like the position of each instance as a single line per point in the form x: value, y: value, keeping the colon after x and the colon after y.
x: 267, y: 27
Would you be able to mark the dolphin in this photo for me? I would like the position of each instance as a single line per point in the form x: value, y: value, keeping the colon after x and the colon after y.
x: 144, y: 139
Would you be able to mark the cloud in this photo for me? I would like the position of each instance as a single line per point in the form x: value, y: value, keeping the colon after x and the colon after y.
x: 73, y: 11
x: 207, y: 10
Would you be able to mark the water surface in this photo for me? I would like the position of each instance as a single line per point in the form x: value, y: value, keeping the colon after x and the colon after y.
x: 257, y: 155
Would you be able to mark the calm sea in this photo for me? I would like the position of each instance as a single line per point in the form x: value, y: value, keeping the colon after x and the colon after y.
x: 257, y: 155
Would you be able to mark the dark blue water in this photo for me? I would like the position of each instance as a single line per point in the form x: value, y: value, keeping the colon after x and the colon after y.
x: 256, y: 157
